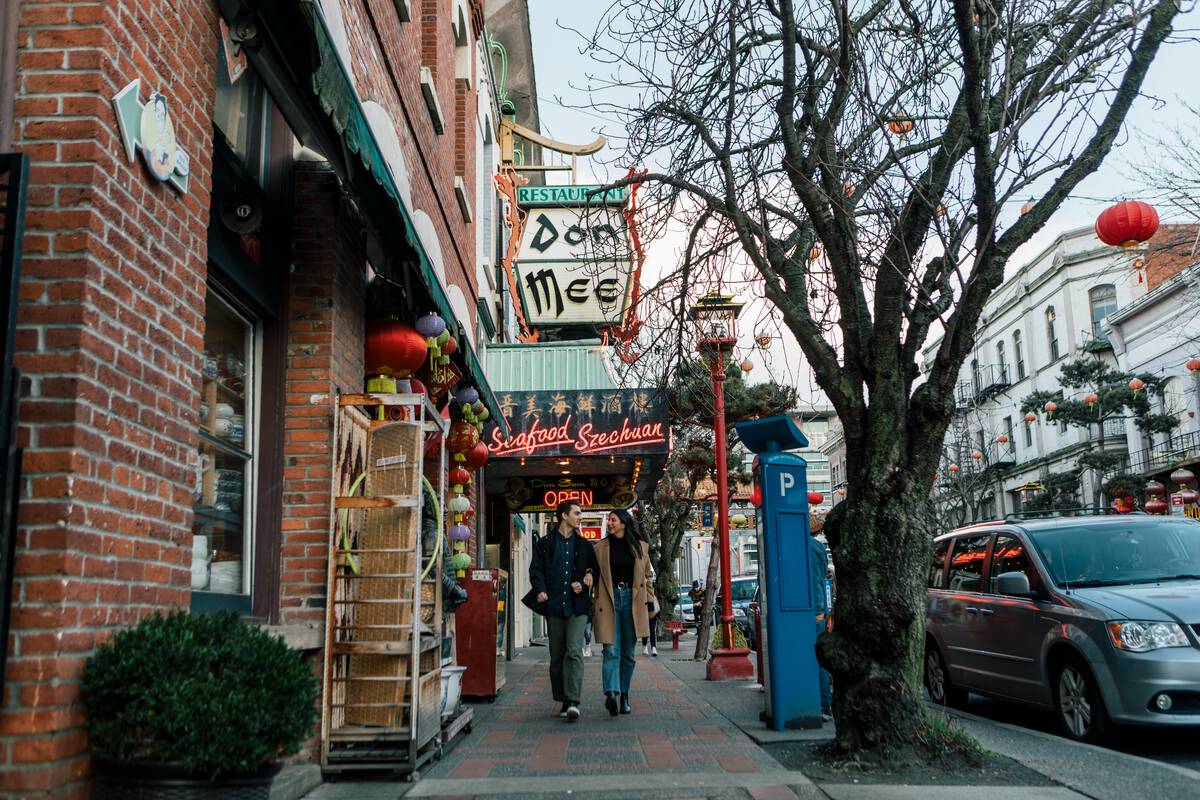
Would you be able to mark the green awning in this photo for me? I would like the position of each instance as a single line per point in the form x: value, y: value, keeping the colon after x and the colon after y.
x: 335, y: 91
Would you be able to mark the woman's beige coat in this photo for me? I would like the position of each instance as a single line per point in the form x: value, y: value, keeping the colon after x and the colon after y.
x: 604, y: 618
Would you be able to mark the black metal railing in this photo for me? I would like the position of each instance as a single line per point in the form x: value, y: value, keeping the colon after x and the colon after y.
x: 1179, y: 449
x: 985, y: 382
x: 14, y: 172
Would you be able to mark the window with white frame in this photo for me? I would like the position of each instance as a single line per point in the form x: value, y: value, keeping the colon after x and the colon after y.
x: 1051, y: 335
x: 1103, y: 300
x: 1019, y: 355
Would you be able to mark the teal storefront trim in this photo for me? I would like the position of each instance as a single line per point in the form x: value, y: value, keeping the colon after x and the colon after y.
x: 334, y: 90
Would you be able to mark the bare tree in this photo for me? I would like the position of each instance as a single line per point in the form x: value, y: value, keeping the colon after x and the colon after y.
x: 852, y: 164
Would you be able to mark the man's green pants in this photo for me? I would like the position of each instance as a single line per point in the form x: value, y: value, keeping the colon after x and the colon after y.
x: 566, y: 657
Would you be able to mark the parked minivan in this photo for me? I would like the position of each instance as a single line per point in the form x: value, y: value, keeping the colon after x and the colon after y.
x: 1096, y: 618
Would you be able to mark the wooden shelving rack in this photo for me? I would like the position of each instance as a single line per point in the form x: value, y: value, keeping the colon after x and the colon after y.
x: 381, y: 703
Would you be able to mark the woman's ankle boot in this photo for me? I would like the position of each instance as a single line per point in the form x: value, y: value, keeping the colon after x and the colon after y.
x: 625, y: 709
x: 610, y: 702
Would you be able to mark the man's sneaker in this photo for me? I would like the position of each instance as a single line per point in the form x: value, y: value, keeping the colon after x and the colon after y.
x: 562, y: 712
x: 654, y: 652
x: 572, y: 713
x: 587, y: 650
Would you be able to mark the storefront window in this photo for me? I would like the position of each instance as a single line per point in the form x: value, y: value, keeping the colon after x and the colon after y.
x: 222, y: 538
x: 241, y: 117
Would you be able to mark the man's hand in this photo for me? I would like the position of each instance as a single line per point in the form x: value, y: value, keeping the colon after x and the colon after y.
x: 543, y: 597
x: 587, y: 580
x: 576, y: 587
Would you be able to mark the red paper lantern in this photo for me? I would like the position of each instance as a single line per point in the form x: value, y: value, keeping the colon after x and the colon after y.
x: 1127, y: 224
x: 1136, y: 385
x: 393, y: 348
x: 976, y: 455
x: 1002, y: 439
x: 954, y: 467
x: 463, y: 436
x: 477, y: 456
x: 1050, y: 407
x: 459, y: 476
x: 450, y: 347
x: 1157, y: 506
x: 901, y: 126
x: 815, y: 498
x: 1030, y: 417
x: 1090, y: 398
x: 1193, y: 365
x: 1155, y: 489
x: 756, y: 495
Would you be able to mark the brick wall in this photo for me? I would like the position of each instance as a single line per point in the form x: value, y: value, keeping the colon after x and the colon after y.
x: 1171, y: 250
x: 387, y: 57
x: 110, y: 331
x: 325, y: 351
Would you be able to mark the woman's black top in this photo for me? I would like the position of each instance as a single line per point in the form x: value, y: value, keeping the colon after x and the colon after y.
x: 620, y: 560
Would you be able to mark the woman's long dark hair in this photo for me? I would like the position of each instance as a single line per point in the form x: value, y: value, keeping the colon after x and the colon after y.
x: 632, y: 535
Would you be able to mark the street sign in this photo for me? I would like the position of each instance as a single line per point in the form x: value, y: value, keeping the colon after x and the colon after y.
x: 706, y: 514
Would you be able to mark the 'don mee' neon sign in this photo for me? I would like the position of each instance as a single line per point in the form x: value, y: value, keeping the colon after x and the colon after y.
x: 584, y: 441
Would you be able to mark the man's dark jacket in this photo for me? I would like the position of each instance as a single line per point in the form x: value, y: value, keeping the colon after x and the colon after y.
x: 542, y: 560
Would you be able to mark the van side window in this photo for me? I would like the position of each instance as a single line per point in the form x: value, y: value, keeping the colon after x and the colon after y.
x: 966, y: 562
x: 1010, y: 555
x: 937, y: 571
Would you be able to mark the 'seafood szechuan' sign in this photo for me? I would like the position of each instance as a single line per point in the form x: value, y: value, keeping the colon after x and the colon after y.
x: 581, y: 422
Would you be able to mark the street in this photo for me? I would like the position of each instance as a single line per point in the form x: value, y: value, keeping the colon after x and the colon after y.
x: 1170, y: 745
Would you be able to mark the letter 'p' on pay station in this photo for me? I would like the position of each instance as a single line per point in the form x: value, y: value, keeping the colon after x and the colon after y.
x: 791, y: 684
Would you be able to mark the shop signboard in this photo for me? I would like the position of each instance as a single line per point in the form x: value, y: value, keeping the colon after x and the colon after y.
x: 592, y: 492
x: 575, y: 258
x: 706, y: 514
x: 580, y: 422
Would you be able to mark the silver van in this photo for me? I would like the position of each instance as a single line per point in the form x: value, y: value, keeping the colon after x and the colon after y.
x: 1097, y: 618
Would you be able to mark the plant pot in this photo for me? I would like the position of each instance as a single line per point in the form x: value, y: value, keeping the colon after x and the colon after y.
x: 149, y: 780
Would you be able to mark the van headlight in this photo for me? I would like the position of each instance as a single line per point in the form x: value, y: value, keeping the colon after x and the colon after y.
x: 1140, y: 637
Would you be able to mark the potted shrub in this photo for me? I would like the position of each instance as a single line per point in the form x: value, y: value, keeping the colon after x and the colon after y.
x: 200, y: 706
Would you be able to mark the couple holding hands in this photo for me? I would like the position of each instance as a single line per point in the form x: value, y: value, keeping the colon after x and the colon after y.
x: 568, y: 574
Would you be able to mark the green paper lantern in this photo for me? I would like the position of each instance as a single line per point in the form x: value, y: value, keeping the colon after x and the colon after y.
x: 460, y: 561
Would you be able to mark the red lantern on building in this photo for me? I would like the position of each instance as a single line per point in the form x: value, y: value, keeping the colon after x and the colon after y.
x: 1136, y: 385
x: 393, y: 348
x: 459, y: 476
x: 463, y: 436
x: 976, y: 455
x: 954, y: 468
x: 1030, y: 417
x: 1002, y: 438
x: 1090, y: 398
x: 815, y: 498
x: 1193, y: 365
x: 1127, y: 224
x: 477, y: 456
x: 1157, y: 505
x: 1050, y: 407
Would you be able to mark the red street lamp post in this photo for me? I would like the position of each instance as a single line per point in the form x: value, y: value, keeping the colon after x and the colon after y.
x: 717, y: 315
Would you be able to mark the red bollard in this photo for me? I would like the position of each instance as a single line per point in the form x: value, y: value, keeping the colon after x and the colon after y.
x: 675, y: 628
x: 758, y: 649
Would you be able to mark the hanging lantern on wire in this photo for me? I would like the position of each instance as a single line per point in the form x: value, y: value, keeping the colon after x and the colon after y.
x: 762, y: 338
x: 1127, y: 224
x: 459, y: 532
x: 747, y: 365
x: 1156, y: 504
x: 814, y: 253
x: 463, y: 436
x: 1002, y: 439
x: 1136, y: 385
x: 1193, y: 365
x: 1090, y: 398
x: 1030, y: 417
x: 1050, y: 407
x: 459, y: 503
x: 976, y: 455
x: 459, y: 476
x: 954, y: 468
x: 900, y: 125
x: 1027, y: 206
x: 392, y: 348
x: 477, y: 456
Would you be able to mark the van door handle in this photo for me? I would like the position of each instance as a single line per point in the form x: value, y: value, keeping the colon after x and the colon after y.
x: 987, y: 612
x: 972, y: 610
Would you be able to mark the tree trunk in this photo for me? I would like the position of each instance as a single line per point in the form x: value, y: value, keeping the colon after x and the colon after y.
x: 874, y: 654
x: 704, y: 627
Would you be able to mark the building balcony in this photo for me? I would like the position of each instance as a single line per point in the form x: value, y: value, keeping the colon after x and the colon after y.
x: 986, y: 381
x: 1176, y: 451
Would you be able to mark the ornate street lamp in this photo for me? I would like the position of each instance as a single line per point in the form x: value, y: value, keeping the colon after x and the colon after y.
x: 716, y: 316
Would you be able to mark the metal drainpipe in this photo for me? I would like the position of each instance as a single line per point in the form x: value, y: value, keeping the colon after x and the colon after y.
x: 8, y: 70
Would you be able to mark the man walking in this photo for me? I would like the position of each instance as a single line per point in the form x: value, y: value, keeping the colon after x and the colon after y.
x: 562, y: 571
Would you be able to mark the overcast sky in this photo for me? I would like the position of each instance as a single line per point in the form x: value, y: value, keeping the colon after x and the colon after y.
x: 562, y: 72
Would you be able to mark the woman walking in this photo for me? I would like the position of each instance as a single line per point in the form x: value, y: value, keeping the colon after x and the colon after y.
x: 621, y: 616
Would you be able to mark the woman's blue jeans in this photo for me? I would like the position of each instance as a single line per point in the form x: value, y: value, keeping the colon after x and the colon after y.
x: 618, y: 656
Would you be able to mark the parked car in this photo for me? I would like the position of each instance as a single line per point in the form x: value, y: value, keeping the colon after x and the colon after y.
x: 1096, y: 618
x: 685, y: 610
x: 744, y: 591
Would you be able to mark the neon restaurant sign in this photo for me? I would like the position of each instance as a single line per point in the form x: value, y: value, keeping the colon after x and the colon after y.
x: 584, y: 422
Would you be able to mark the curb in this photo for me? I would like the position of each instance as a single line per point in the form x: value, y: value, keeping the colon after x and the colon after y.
x: 1068, y: 743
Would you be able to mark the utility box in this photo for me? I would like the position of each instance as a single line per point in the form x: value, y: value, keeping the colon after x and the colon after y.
x: 791, y: 683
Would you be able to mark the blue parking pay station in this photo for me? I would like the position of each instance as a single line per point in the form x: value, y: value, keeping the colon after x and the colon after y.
x: 791, y: 683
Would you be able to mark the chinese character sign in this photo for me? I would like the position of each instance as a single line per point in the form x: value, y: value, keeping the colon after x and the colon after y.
x: 581, y: 422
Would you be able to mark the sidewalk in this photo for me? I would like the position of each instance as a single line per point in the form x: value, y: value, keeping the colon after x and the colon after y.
x: 689, y: 738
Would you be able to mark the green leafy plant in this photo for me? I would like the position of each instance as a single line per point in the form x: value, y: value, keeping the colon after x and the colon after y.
x: 718, y: 638
x: 210, y: 693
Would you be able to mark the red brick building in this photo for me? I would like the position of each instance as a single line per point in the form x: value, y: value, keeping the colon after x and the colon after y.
x: 180, y: 340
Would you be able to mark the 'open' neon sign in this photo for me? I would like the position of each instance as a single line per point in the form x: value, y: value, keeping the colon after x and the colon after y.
x: 585, y: 497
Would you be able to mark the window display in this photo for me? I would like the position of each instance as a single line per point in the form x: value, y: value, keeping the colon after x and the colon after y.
x: 221, y: 529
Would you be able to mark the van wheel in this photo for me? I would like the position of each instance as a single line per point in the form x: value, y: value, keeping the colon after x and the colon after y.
x: 937, y: 680
x: 1081, y: 712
